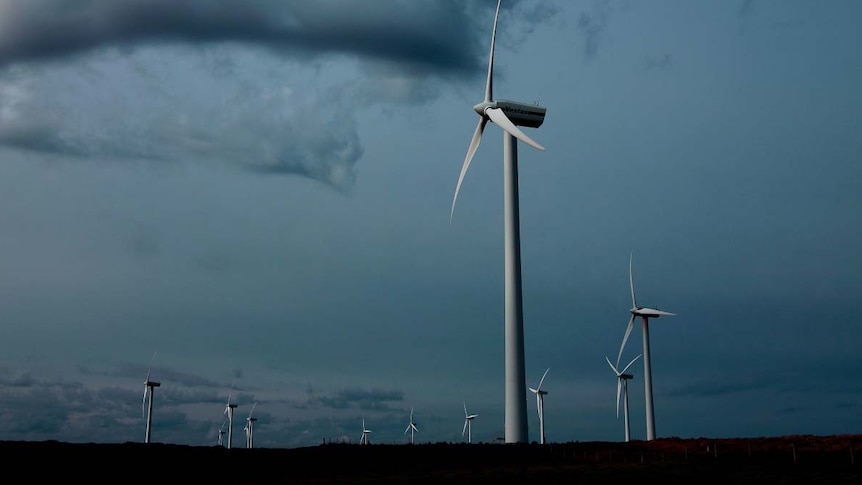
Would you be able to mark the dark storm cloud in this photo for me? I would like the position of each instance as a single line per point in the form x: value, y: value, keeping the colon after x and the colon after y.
x: 431, y: 34
x: 111, y: 79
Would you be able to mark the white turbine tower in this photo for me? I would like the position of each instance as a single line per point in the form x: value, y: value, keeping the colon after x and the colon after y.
x: 363, y: 440
x: 645, y: 313
x: 249, y: 428
x: 411, y: 427
x: 623, y: 388
x: 147, y: 401
x: 468, y: 424
x: 228, y: 411
x: 508, y: 115
x: 540, y: 405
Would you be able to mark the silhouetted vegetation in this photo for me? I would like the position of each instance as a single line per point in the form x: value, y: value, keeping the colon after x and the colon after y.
x: 791, y: 459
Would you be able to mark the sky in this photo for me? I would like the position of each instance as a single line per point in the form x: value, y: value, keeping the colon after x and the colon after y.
x: 252, y: 199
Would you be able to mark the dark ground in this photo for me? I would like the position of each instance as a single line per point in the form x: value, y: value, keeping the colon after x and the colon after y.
x: 784, y: 460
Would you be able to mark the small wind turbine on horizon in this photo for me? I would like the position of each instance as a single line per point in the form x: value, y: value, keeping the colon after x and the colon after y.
x: 228, y: 411
x: 363, y: 440
x: 645, y: 313
x: 540, y: 405
x: 147, y: 401
x: 249, y: 428
x: 468, y: 424
x: 221, y: 433
x: 411, y: 427
x: 508, y: 115
x: 623, y: 387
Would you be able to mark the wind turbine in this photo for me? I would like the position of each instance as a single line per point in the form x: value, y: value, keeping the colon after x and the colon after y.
x: 147, y: 401
x: 221, y: 433
x: 508, y: 115
x: 363, y: 440
x: 540, y: 406
x: 623, y: 387
x: 228, y: 411
x: 411, y: 427
x: 249, y: 428
x: 468, y: 424
x: 645, y: 313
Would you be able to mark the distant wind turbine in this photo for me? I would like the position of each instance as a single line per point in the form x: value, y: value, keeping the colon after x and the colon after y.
x: 468, y: 424
x: 228, y: 411
x: 221, y: 433
x: 363, y: 440
x: 645, y: 313
x: 249, y: 428
x: 411, y: 427
x: 540, y: 405
x: 147, y: 401
x: 623, y: 388
x: 508, y: 115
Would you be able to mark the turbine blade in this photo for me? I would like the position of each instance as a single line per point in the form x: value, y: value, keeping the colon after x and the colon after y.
x: 630, y: 363
x: 465, y: 410
x: 466, y: 421
x: 626, y: 337
x: 612, y: 366
x: 543, y: 378
x: 474, y: 144
x: 144, y: 403
x: 503, y: 121
x: 631, y: 284
x: 489, y: 86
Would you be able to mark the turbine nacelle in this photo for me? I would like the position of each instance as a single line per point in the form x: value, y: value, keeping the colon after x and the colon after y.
x: 649, y: 312
x: 520, y: 114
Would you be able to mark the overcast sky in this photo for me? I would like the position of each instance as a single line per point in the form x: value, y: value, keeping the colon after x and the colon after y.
x: 255, y: 196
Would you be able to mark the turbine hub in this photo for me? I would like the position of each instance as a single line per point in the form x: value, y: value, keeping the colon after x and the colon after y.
x: 481, y: 107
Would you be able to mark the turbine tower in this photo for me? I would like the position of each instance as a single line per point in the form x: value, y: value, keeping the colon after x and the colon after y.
x: 228, y: 411
x: 645, y: 313
x: 363, y: 440
x: 249, y: 428
x: 623, y: 387
x: 411, y: 427
x: 468, y: 424
x: 540, y: 406
x: 508, y: 115
x: 147, y: 401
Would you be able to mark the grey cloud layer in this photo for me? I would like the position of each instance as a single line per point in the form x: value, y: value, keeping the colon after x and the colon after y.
x: 423, y: 33
x: 113, y: 79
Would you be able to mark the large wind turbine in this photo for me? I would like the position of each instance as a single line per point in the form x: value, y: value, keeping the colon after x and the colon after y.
x: 249, y: 428
x: 228, y: 411
x: 147, y: 401
x: 540, y: 405
x: 508, y: 115
x: 363, y: 440
x: 645, y: 313
x: 623, y: 387
x: 468, y: 424
x: 411, y: 427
